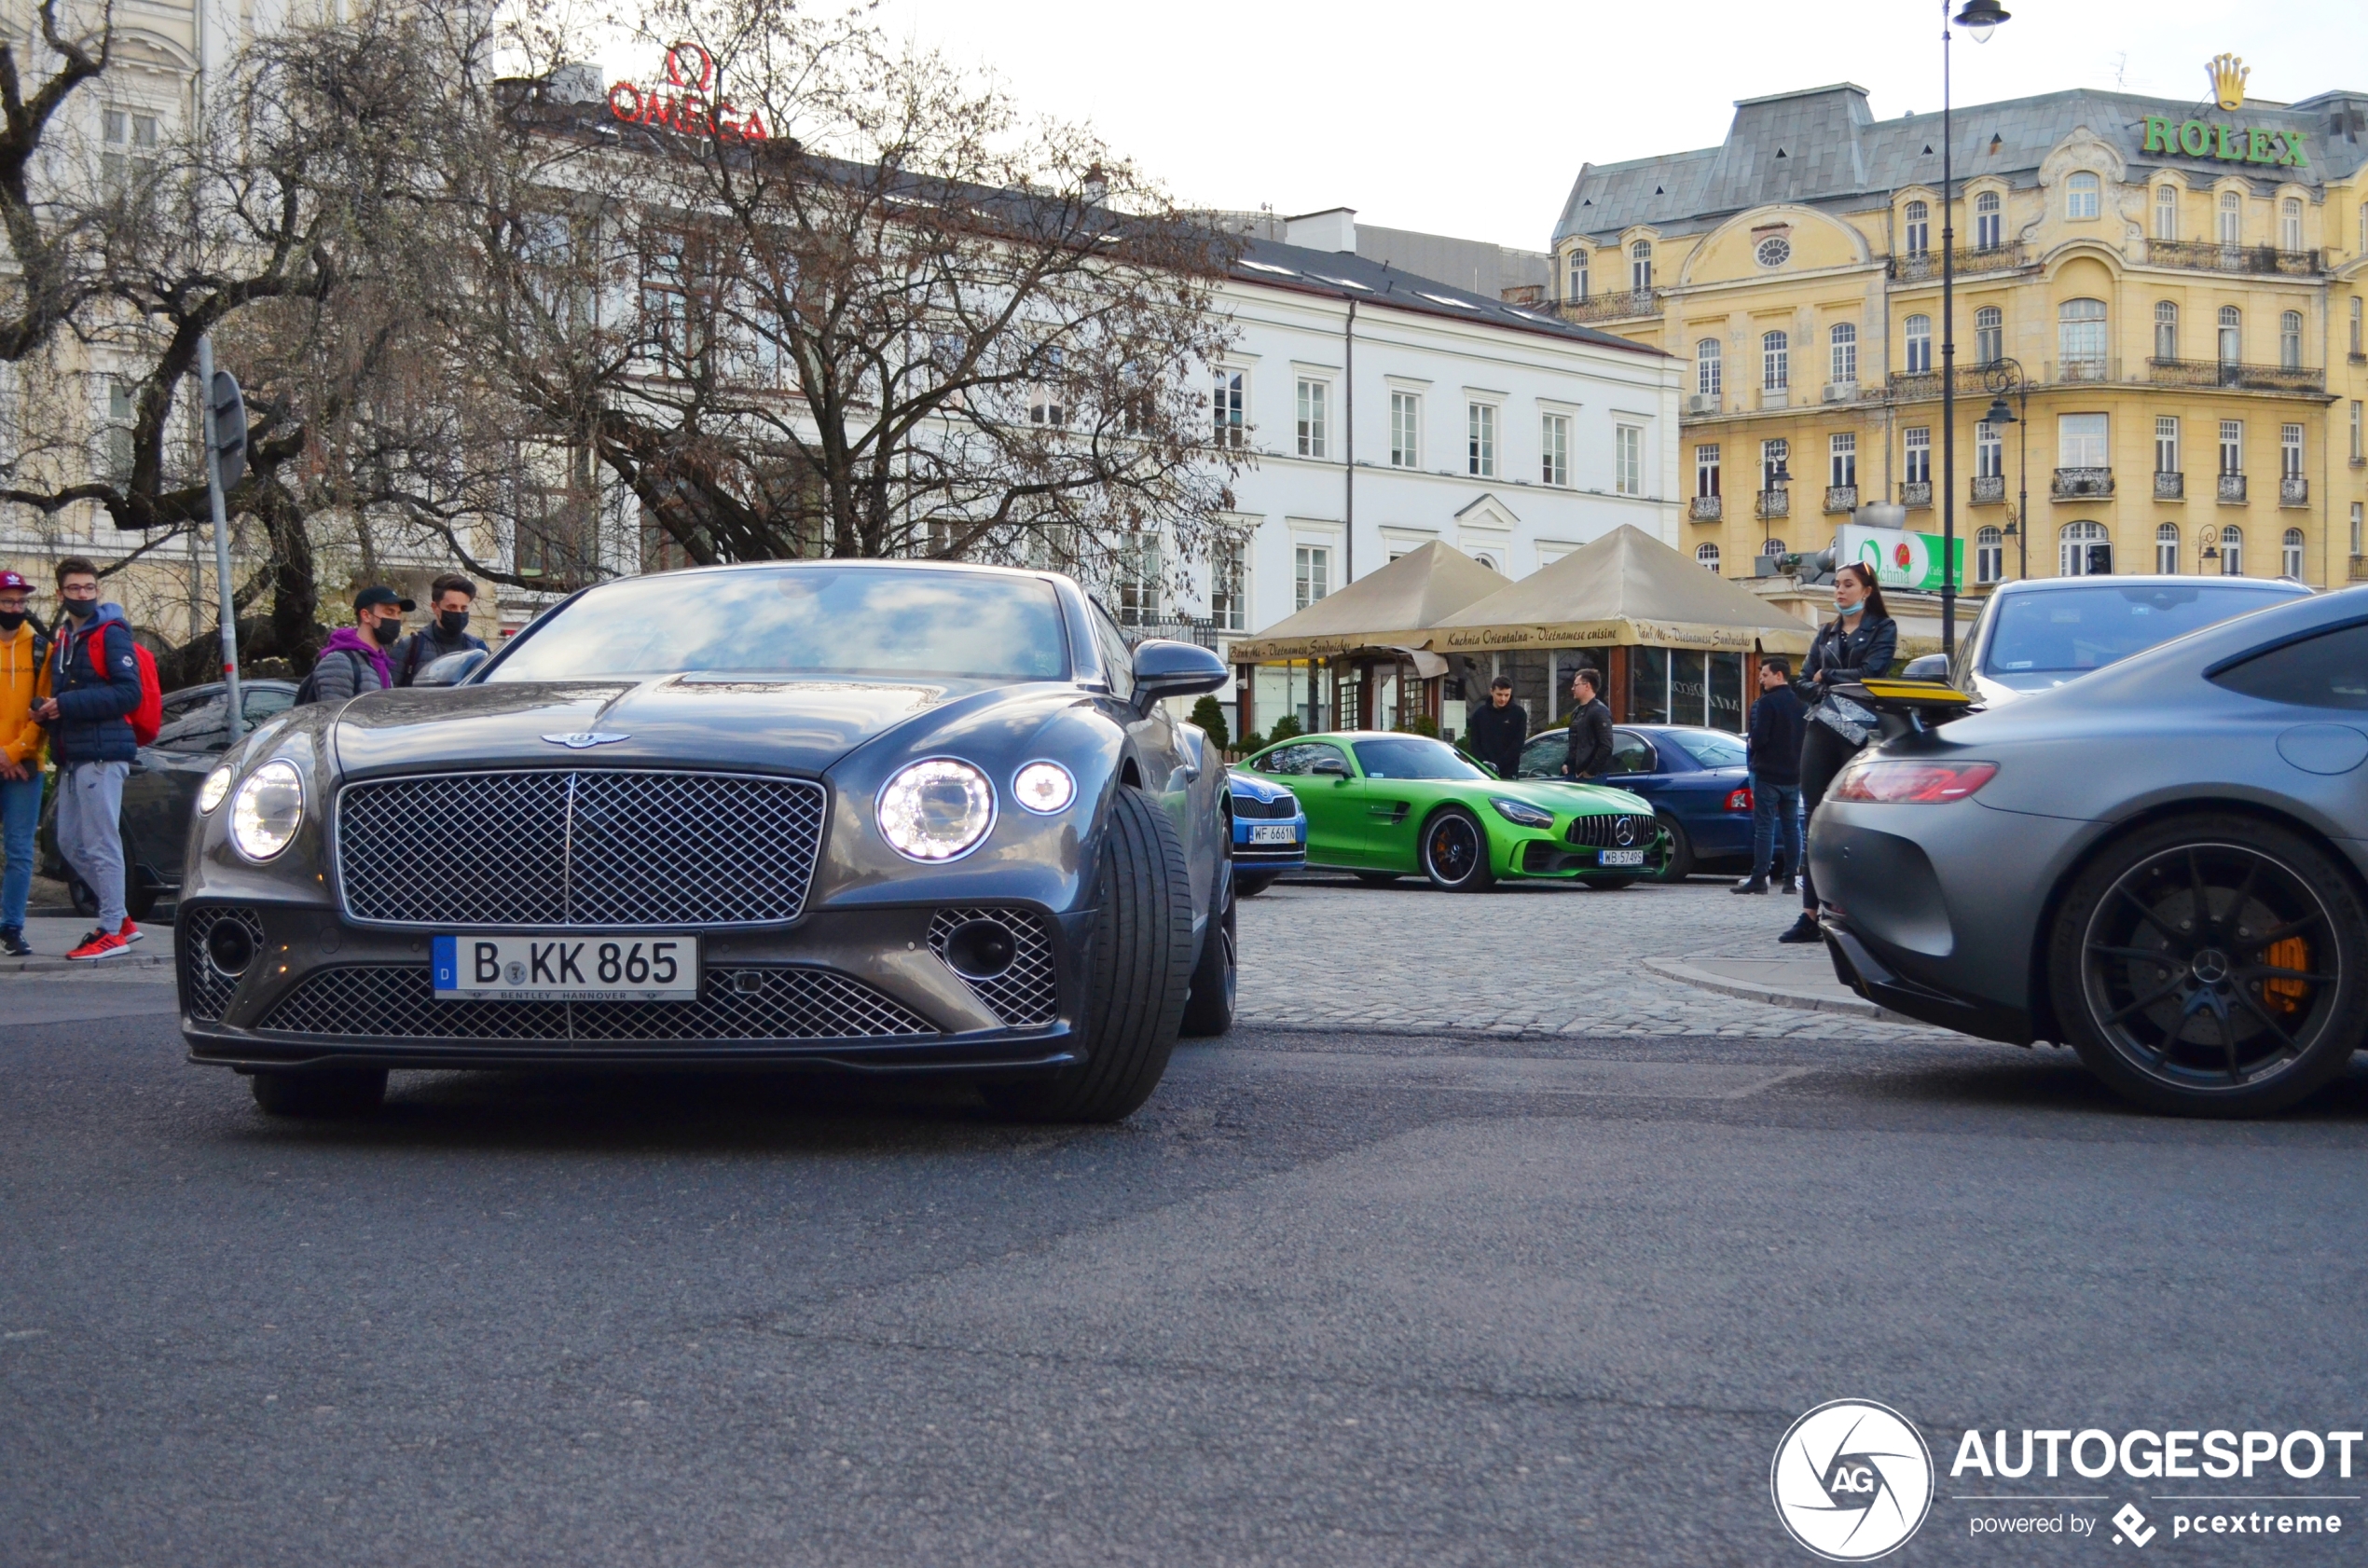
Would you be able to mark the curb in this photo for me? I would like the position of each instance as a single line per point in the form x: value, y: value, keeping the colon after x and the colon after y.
x: 1855, y: 1007
x: 106, y: 966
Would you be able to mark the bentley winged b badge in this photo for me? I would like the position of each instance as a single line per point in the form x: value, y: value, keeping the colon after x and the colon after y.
x: 583, y: 740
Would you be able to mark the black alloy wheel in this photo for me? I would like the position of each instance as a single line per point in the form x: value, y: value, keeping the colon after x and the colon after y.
x: 2212, y: 967
x: 1455, y: 853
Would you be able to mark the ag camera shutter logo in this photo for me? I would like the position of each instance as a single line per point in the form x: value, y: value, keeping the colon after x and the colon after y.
x: 1852, y: 1480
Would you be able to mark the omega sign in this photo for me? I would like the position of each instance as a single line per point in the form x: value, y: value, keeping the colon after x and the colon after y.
x: 684, y: 104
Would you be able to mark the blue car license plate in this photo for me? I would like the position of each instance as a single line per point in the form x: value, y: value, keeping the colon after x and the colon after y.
x: 1278, y: 834
x: 624, y: 967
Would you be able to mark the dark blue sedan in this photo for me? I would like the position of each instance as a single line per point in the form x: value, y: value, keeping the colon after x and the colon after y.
x: 1694, y: 777
x: 1269, y: 832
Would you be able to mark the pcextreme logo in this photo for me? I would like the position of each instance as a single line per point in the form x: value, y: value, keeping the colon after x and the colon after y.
x: 1852, y: 1480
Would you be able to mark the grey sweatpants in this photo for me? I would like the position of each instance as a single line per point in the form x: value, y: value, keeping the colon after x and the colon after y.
x: 91, y: 831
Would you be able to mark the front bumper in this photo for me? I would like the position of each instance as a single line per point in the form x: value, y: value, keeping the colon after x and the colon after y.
x: 861, y: 991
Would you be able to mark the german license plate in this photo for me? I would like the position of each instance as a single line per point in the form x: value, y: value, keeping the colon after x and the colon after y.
x: 1620, y: 857
x: 1284, y: 832
x: 622, y: 968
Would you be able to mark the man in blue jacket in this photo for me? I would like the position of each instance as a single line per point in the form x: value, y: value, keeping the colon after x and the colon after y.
x: 1774, y: 757
x: 94, y: 684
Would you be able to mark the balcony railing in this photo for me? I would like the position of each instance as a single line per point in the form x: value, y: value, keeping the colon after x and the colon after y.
x: 2232, y: 490
x: 2171, y: 486
x: 2088, y: 369
x: 2294, y: 490
x: 1915, y: 493
x: 2080, y: 484
x: 1136, y: 627
x: 1924, y: 266
x: 1611, y: 306
x: 2223, y: 373
x: 1708, y: 508
x: 1774, y: 504
x: 2204, y: 256
x: 1841, y: 498
x: 2360, y: 568
x: 1908, y: 385
x: 1989, y: 489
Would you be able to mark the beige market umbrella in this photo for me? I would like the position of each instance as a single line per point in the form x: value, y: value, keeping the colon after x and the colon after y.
x: 1626, y: 589
x: 1385, y: 611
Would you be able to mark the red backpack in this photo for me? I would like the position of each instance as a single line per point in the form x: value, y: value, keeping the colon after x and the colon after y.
x: 148, y: 718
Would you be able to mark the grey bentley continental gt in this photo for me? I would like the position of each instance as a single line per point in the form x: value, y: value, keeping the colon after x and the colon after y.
x: 872, y: 817
x: 2163, y: 864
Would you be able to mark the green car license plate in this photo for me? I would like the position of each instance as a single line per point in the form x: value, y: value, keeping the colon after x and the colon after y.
x: 1620, y: 857
x: 625, y: 967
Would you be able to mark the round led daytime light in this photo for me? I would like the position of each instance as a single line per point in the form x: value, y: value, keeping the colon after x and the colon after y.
x: 1044, y: 787
x: 936, y: 810
x: 266, y: 811
x: 216, y: 785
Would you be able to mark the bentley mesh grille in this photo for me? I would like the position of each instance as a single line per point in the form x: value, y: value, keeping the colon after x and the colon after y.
x: 206, y: 989
x: 578, y: 848
x: 1027, y: 994
x: 399, y: 1002
x: 1606, y: 833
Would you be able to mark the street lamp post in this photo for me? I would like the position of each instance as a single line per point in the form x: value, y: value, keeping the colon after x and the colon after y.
x: 2002, y: 375
x: 1979, y: 18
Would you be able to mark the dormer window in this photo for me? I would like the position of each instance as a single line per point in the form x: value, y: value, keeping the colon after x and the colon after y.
x: 2084, y: 196
x: 1919, y: 228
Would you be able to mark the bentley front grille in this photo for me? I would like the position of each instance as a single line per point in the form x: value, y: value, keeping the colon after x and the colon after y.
x: 1614, y: 831
x: 217, y: 942
x: 609, y: 847
x: 1005, y: 956
x: 399, y: 1002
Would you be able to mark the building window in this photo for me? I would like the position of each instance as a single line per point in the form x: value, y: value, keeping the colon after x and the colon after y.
x: 1843, y: 340
x: 1706, y: 469
x: 1775, y: 362
x: 122, y: 410
x: 2081, y: 551
x: 1479, y: 425
x: 1771, y: 461
x: 2290, y: 340
x: 2232, y: 334
x: 2232, y: 551
x: 2358, y: 343
x: 1989, y: 556
x: 1555, y: 436
x: 1990, y: 452
x: 1579, y: 274
x: 1228, y: 586
x: 129, y: 156
x: 2231, y: 445
x: 1842, y: 459
x: 1138, y: 580
x: 2293, y: 562
x: 2166, y: 549
x: 2359, y: 435
x: 2080, y: 338
x: 1640, y: 266
x: 1920, y: 345
x: 2081, y: 196
x: 1990, y: 221
x: 1989, y: 334
x: 1707, y: 366
x: 1772, y: 546
x: 1706, y: 557
x: 2167, y: 444
x: 1232, y: 427
x: 2289, y: 451
x: 2166, y: 211
x: 1405, y: 428
x: 2363, y: 246
x: 1311, y: 575
x: 2166, y: 330
x: 1314, y: 421
x: 1919, y: 228
x: 2232, y: 218
x: 2290, y: 224
x: 1773, y: 252
x: 2080, y: 440
x: 1628, y: 459
x: 1919, y: 455
x: 2359, y: 528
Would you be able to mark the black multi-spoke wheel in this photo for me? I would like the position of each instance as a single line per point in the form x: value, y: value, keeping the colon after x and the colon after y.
x: 2212, y: 966
x: 1455, y: 853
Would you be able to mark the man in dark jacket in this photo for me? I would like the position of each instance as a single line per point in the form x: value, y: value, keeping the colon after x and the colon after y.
x: 1774, y: 758
x: 94, y: 684
x: 451, y: 597
x: 355, y: 659
x: 1496, y: 731
x: 1589, y: 756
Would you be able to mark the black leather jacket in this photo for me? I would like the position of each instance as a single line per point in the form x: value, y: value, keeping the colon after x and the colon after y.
x: 1590, y: 748
x: 1855, y: 655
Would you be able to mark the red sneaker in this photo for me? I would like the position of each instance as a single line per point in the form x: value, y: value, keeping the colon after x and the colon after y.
x: 129, y: 931
x: 101, y: 944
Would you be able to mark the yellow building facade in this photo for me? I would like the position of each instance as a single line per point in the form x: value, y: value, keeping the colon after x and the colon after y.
x: 2169, y: 294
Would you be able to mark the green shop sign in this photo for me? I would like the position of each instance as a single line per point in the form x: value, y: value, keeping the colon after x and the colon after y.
x: 2230, y: 144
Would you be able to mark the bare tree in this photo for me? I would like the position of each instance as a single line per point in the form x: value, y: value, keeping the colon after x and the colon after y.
x: 49, y: 273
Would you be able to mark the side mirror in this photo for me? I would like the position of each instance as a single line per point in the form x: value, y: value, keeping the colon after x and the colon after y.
x: 1332, y: 765
x: 1931, y: 667
x: 452, y: 668
x: 1175, y: 669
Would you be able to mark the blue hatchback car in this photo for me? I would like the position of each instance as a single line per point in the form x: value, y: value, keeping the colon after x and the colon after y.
x: 1269, y: 832
x: 1694, y: 777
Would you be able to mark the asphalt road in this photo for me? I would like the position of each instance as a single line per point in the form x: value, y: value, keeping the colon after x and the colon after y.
x: 1332, y: 1298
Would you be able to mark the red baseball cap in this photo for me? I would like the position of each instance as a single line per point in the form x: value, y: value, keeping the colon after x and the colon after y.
x: 14, y: 580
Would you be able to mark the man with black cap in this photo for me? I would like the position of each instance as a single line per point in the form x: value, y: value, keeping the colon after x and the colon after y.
x: 355, y: 659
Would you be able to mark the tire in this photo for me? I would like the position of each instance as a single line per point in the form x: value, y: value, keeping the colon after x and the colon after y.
x: 1681, y: 852
x: 86, y: 903
x: 324, y: 1091
x: 1454, y: 852
x: 2198, y: 1022
x: 1377, y: 878
x: 1250, y: 886
x: 1138, y: 973
x: 1209, y: 1011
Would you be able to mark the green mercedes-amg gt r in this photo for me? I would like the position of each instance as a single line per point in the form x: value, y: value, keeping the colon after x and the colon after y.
x: 1386, y: 804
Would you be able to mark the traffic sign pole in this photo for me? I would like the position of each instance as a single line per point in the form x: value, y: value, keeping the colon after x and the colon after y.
x: 210, y: 397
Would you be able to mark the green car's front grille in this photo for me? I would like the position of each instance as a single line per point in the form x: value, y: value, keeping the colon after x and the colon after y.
x: 1612, y: 832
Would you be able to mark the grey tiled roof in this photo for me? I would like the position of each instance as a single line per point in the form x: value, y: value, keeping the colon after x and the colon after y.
x: 1823, y: 146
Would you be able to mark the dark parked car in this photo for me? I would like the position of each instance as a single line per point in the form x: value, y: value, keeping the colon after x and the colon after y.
x: 160, y: 797
x: 2163, y: 864
x: 1269, y: 832
x: 1694, y: 779
x: 872, y: 817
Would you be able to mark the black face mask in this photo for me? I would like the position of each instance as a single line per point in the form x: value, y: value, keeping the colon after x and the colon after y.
x: 387, y: 631
x: 81, y: 608
x: 10, y: 620
x: 454, y: 622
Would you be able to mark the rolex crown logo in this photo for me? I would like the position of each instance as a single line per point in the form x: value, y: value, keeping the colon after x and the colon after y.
x: 2228, y: 75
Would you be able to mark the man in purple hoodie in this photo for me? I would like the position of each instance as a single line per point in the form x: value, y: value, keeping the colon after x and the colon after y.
x: 355, y: 659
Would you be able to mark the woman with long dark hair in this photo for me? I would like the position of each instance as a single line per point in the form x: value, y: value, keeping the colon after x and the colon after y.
x: 1858, y: 644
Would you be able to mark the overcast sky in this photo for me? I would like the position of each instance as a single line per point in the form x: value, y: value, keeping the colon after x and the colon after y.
x: 1472, y: 118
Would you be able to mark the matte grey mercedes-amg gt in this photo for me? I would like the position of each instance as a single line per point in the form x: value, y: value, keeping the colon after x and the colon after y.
x: 2163, y: 864
x: 876, y: 817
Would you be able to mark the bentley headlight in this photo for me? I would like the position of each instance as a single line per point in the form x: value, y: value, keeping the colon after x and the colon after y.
x: 1521, y: 812
x: 936, y: 810
x: 216, y: 785
x: 267, y: 810
x: 1044, y: 787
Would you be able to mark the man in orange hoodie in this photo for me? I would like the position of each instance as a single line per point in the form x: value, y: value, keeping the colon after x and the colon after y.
x: 24, y: 682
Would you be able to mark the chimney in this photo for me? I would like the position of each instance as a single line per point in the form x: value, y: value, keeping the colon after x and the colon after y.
x: 1334, y: 228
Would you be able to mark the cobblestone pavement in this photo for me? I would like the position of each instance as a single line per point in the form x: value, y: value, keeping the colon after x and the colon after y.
x: 1533, y: 960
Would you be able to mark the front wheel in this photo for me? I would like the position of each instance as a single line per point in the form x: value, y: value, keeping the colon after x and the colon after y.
x: 1455, y: 853
x: 2212, y: 966
x: 320, y: 1092
x: 1681, y: 851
